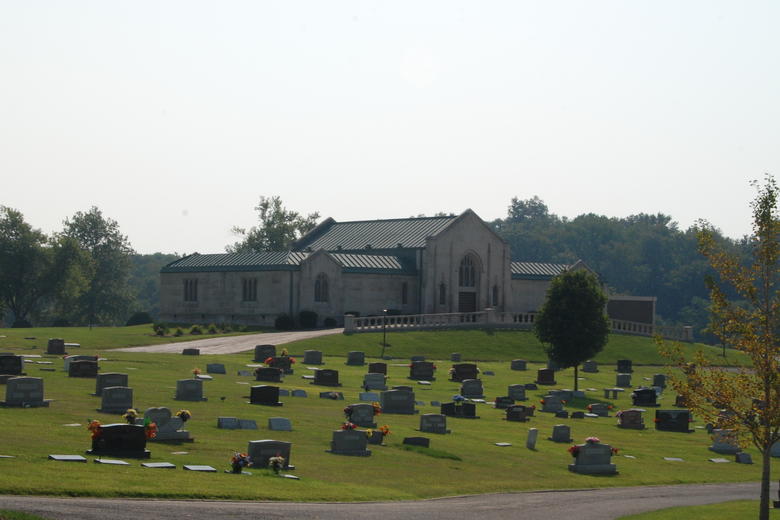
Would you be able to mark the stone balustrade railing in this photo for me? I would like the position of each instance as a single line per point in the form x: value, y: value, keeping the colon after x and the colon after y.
x: 494, y: 319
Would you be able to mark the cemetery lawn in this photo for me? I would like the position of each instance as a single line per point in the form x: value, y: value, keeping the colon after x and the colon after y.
x: 101, y: 338
x: 390, y: 473
x: 18, y: 515
x: 731, y: 510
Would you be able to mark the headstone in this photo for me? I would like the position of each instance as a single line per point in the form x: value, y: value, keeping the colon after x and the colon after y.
x: 191, y: 352
x: 516, y: 392
x: 578, y: 415
x: 121, y: 440
x: 55, y: 346
x: 472, y: 388
x: 11, y: 364
x: 204, y: 377
x: 644, y: 397
x: 725, y: 441
x: 284, y: 363
x: 593, y: 459
x: 326, y: 377
x: 25, y: 392
x: 283, y: 392
x: 518, y: 364
x: 215, y: 368
x: 169, y: 426
x: 673, y: 420
x: 743, y: 458
x: 312, y: 357
x: 369, y: 396
x: 279, y: 424
x: 398, y: 401
x: 631, y: 419
x: 623, y: 380
x: 422, y: 370
x: 158, y: 465
x: 659, y: 380
x: 266, y: 395
x: 268, y: 374
x: 460, y: 410
x: 433, y: 423
x: 356, y: 358
x: 462, y: 371
x: 455, y: 357
x: 552, y: 404
x: 545, y: 376
x: 377, y: 368
x: 349, y: 442
x: 417, y: 441
x: 228, y: 423
x: 67, y: 458
x: 362, y: 414
x: 531, y: 386
x: 83, y: 368
x: 262, y: 450
x: 111, y: 462
x: 565, y: 395
x: 590, y: 367
x: 624, y: 366
x: 503, y: 402
x: 299, y: 393
x: 116, y: 399
x: 563, y: 414
x: 375, y: 381
x: 530, y: 442
x: 263, y: 352
x: 600, y: 409
x: 774, y: 451
x: 244, y: 373
x: 204, y: 468
x: 518, y: 413
x: 336, y: 396
x: 107, y: 379
x: 403, y: 387
x: 247, y: 424
x: 189, y: 390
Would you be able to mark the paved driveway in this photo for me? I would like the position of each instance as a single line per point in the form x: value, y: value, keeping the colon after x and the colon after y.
x: 596, y: 504
x: 233, y: 344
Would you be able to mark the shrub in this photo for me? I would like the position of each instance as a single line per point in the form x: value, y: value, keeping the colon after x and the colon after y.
x: 178, y: 332
x: 138, y: 318
x: 161, y: 329
x: 212, y: 329
x: 307, y: 319
x: 284, y: 322
x: 60, y: 322
x: 329, y: 322
x: 195, y: 329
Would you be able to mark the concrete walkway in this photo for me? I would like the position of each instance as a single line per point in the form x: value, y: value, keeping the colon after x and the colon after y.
x: 233, y: 344
x: 585, y: 504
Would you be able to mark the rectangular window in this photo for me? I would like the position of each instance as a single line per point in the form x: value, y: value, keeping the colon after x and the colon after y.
x: 191, y: 290
x: 404, y: 293
x: 249, y: 289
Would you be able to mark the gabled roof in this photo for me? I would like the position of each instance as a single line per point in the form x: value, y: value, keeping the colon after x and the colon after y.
x: 284, y: 261
x: 537, y: 270
x: 405, y: 233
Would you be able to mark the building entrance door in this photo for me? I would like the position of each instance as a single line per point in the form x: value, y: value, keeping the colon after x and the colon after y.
x: 467, y: 301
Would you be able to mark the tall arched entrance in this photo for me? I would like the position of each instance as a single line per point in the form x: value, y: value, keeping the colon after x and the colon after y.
x: 468, y: 283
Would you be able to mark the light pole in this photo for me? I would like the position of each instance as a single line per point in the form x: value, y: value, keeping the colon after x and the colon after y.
x: 384, y: 331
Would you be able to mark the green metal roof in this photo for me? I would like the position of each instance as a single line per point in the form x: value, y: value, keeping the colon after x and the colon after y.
x: 407, y: 233
x: 537, y: 270
x: 285, y: 261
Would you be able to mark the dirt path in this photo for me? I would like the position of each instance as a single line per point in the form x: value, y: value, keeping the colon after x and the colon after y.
x: 233, y: 344
x: 587, y: 504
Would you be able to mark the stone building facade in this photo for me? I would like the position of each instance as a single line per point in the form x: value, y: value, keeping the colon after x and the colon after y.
x: 408, y: 266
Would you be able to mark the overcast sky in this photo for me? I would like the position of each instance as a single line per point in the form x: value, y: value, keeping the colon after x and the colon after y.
x: 174, y: 117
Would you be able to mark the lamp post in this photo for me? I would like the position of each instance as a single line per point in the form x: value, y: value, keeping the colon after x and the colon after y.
x: 384, y: 331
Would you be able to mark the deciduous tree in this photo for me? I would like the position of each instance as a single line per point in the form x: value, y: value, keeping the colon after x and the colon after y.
x: 278, y: 228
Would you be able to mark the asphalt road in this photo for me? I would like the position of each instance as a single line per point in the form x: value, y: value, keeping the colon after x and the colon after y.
x: 233, y: 344
x: 592, y: 504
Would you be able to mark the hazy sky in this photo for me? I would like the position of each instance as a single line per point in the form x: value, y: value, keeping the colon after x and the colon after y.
x: 174, y: 117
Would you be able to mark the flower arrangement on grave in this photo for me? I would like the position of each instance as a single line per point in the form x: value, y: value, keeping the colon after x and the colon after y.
x: 95, y: 429
x: 276, y: 463
x: 150, y: 428
x: 377, y: 408
x: 458, y: 399
x: 348, y: 411
x: 385, y: 430
x: 348, y: 426
x: 239, y: 461
x: 130, y: 415
x: 333, y: 395
x: 195, y: 372
x: 574, y: 450
x: 184, y: 415
x: 592, y: 440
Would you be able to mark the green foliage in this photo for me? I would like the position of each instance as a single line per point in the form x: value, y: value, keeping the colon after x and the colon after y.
x: 139, y: 318
x: 107, y: 296
x: 144, y: 280
x: 278, y: 228
x: 178, y: 332
x: 196, y: 329
x: 5, y: 514
x: 329, y: 322
x: 572, y: 322
x: 284, y: 322
x: 212, y: 328
x: 307, y: 319
x: 160, y: 329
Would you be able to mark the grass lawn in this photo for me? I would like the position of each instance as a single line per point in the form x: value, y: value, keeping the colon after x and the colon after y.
x: 732, y: 510
x: 97, y: 338
x: 390, y: 473
x: 18, y: 515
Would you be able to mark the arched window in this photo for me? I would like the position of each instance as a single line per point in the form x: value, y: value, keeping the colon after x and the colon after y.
x: 467, y: 274
x: 495, y: 295
x: 442, y: 294
x: 321, y: 288
x: 404, y: 293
